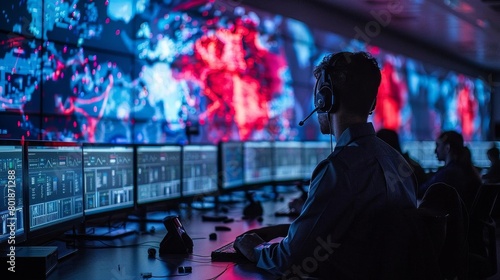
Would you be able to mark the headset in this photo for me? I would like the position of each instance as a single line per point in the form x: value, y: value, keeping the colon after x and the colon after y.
x: 325, y: 100
x: 324, y: 95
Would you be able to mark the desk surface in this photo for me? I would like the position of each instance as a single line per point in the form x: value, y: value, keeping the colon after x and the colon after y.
x: 127, y: 257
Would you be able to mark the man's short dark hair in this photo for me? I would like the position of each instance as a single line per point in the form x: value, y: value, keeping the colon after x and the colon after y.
x: 493, y: 152
x: 356, y: 78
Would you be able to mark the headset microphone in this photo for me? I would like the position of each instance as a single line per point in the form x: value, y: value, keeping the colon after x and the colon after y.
x: 301, y: 123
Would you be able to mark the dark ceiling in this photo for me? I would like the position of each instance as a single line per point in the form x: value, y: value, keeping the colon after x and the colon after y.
x: 466, y: 29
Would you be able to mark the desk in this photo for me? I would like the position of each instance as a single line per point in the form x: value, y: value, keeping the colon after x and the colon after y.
x: 126, y: 257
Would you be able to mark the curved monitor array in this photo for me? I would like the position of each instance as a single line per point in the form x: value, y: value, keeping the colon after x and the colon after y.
x: 51, y: 187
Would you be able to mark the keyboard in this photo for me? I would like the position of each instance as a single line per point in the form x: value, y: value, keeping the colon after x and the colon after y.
x: 227, y: 253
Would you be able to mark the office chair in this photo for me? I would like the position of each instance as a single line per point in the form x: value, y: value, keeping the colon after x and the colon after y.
x: 482, y: 233
x: 442, y: 199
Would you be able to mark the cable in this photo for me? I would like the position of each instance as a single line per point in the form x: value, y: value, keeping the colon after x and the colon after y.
x: 218, y: 275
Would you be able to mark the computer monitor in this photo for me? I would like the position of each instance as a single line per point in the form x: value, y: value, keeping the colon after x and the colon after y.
x: 108, y: 180
x: 199, y: 170
x: 158, y: 173
x: 258, y: 162
x: 479, y: 153
x: 12, y: 230
x: 288, y: 158
x: 55, y: 188
x: 427, y: 156
x: 313, y: 153
x: 231, y: 165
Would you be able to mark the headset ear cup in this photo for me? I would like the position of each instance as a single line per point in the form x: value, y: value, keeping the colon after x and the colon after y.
x: 326, y: 98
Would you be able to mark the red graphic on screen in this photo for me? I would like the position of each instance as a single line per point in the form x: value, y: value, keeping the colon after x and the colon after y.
x: 238, y: 76
x: 391, y: 98
x: 466, y: 109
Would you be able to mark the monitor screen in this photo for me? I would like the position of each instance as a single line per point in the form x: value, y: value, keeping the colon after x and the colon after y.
x: 258, y: 166
x: 108, y: 178
x: 231, y: 164
x: 158, y: 173
x: 479, y: 153
x: 199, y: 169
x: 287, y: 157
x: 426, y: 156
x: 12, y: 230
x: 314, y: 152
x: 54, y: 175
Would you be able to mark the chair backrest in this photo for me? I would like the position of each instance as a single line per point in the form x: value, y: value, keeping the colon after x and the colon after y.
x: 443, y: 199
x: 482, y: 232
x: 485, y: 201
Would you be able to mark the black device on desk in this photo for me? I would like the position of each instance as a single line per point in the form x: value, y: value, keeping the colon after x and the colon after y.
x: 177, y: 241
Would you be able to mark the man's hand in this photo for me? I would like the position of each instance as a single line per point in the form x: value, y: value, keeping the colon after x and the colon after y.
x: 246, y: 243
x: 271, y: 232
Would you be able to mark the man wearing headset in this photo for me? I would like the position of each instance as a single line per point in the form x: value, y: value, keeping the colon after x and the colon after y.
x: 346, y: 223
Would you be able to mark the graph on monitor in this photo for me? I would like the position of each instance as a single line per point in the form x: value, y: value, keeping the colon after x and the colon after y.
x: 158, y: 173
x: 55, y: 187
x: 199, y: 169
x: 108, y: 178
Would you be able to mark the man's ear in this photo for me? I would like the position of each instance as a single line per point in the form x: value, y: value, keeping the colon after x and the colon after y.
x: 447, y: 148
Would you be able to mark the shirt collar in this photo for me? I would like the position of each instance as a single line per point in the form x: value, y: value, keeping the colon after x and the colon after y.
x: 355, y: 131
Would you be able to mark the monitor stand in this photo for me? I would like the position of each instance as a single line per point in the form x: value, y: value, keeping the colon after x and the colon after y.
x: 108, y: 232
x: 232, y: 198
x: 144, y: 218
x: 64, y: 248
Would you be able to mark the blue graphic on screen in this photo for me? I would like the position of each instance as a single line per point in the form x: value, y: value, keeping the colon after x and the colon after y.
x: 287, y: 160
x: 144, y: 71
x: 108, y: 178
x: 55, y: 186
x: 19, y: 87
x: 231, y: 159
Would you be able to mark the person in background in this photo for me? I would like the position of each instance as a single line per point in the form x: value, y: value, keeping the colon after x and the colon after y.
x: 458, y: 170
x: 493, y: 173
x: 391, y: 137
x: 346, y: 228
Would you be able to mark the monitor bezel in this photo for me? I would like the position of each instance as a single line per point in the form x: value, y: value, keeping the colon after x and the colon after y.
x: 20, y: 237
x: 222, y: 164
x: 163, y: 202
x: 115, y: 211
x: 287, y: 144
x: 186, y: 196
x: 262, y: 182
x: 49, y: 232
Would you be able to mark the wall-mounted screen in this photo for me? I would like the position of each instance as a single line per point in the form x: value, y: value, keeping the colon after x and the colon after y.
x: 127, y: 72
